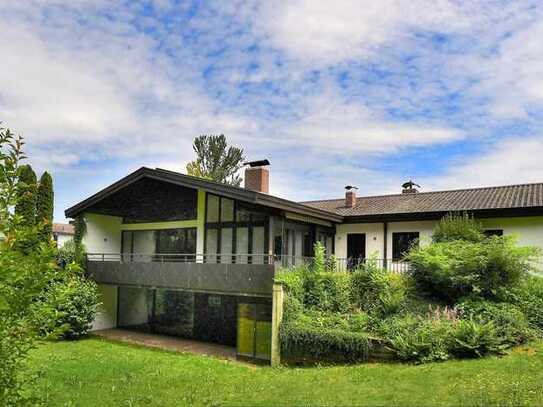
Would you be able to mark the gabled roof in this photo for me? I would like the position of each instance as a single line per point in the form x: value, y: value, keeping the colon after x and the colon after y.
x: 63, y: 229
x: 509, y: 197
x: 229, y: 191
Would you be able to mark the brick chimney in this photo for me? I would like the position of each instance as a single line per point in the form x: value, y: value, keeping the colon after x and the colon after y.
x: 257, y: 179
x: 350, y: 196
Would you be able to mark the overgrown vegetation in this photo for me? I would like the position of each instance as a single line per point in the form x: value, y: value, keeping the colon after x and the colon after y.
x: 466, y: 295
x: 36, y: 296
x: 26, y: 268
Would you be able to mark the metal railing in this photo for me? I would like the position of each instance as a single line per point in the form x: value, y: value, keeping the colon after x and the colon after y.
x: 286, y: 261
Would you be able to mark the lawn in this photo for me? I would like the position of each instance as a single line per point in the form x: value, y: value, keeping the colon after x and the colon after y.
x: 95, y: 372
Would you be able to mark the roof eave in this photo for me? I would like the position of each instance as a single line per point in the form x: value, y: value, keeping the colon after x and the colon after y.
x: 208, y: 186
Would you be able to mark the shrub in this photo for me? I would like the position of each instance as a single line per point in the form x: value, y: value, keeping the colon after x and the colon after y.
x: 354, y: 322
x: 71, y: 253
x: 319, y: 261
x: 458, y: 227
x: 26, y: 269
x: 509, y: 321
x: 455, y: 269
x: 471, y: 338
x: 528, y: 297
x: 328, y: 291
x: 70, y: 306
x: 416, y: 338
x: 379, y: 291
x: 301, y: 338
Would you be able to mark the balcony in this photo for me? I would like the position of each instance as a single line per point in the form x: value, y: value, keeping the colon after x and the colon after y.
x: 223, y: 274
x: 234, y: 274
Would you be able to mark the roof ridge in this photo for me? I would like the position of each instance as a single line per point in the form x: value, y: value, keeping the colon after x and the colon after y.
x: 428, y: 192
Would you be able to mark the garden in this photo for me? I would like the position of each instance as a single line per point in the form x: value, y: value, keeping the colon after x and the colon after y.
x: 465, y: 295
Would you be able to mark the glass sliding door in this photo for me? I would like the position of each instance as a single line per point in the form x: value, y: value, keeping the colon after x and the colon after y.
x: 235, y: 231
x: 242, y: 245
x: 212, y: 236
x: 144, y: 245
x: 226, y: 245
x: 159, y: 245
x: 258, y: 245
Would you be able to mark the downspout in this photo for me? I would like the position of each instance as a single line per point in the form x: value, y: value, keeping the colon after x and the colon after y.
x: 385, y: 241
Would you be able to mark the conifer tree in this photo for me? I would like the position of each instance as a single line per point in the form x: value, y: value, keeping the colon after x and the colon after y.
x: 45, y: 206
x: 26, y: 195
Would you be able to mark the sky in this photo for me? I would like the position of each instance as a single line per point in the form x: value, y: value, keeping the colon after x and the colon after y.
x: 334, y: 93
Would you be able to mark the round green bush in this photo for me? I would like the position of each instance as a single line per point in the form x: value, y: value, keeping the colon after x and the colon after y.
x: 69, y: 307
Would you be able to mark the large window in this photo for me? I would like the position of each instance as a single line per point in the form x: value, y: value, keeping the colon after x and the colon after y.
x: 235, y: 231
x: 402, y: 242
x: 149, y: 245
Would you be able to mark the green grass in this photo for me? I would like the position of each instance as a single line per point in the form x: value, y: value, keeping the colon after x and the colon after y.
x: 96, y: 372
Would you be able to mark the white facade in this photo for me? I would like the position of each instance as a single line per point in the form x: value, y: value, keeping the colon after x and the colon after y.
x: 62, y: 239
x: 528, y: 230
x: 106, y: 318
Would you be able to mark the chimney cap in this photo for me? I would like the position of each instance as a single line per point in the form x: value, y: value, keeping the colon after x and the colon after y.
x: 258, y: 163
x: 409, y: 185
x: 349, y: 187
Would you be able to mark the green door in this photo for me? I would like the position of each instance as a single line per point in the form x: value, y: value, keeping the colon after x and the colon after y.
x: 254, y: 331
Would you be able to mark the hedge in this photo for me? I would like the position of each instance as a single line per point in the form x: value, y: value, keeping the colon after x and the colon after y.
x: 302, y: 341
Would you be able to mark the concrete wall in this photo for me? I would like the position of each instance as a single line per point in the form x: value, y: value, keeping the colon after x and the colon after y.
x: 107, y: 313
x: 529, y: 231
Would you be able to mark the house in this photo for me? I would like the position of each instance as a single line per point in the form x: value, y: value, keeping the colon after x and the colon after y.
x: 62, y: 233
x: 181, y: 255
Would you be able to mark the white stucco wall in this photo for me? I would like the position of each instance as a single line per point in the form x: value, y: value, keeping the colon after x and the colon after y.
x: 374, y: 238
x: 529, y: 231
x: 107, y: 312
x: 62, y: 239
x: 103, y: 234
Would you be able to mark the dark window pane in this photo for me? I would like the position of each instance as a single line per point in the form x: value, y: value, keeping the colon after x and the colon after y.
x: 243, y: 215
x: 402, y: 242
x: 190, y: 244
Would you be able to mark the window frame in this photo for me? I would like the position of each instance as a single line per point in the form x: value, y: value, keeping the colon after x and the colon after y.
x: 415, y: 237
x: 235, y: 224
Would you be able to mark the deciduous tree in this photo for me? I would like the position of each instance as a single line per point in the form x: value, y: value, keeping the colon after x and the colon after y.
x: 215, y: 160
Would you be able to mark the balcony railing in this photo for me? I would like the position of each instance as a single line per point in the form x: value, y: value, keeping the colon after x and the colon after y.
x: 286, y: 261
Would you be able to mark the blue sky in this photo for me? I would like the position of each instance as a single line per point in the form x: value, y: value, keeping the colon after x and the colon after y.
x: 449, y: 93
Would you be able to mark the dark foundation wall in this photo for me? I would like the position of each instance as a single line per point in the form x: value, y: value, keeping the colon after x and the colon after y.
x: 199, y: 316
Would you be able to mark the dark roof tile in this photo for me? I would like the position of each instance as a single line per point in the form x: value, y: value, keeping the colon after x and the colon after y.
x: 501, y: 197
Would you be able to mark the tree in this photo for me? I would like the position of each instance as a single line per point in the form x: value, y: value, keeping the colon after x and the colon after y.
x: 26, y: 195
x: 44, y: 206
x: 216, y: 160
x: 24, y: 276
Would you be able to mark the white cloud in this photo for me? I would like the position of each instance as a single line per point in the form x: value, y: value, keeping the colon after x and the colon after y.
x: 333, y: 124
x: 324, y: 33
x: 512, y: 76
x: 511, y: 161
x: 99, y: 91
